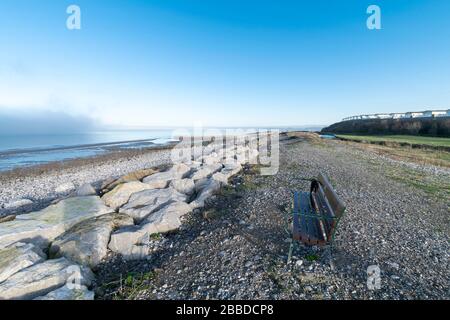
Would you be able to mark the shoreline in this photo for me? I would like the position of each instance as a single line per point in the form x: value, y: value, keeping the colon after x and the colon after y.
x: 112, y: 144
x: 113, y: 154
x: 38, y: 183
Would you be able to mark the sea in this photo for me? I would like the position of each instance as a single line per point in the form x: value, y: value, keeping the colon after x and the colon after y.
x: 18, y: 151
x: 28, y: 150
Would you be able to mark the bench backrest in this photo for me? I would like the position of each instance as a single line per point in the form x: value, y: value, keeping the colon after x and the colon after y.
x: 329, y: 205
x: 336, y: 205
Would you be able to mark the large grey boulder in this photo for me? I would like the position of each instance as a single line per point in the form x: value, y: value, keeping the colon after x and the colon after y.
x: 135, y: 252
x: 143, y: 203
x: 65, y: 293
x: 122, y: 220
x: 16, y: 206
x: 201, y: 184
x: 130, y: 177
x: 220, y: 177
x: 206, y: 188
x: 194, y: 165
x: 43, y: 226
x: 124, y: 239
x: 167, y: 219
x: 242, y: 158
x: 180, y: 169
x: 206, y: 171
x: 65, y: 188
x: 211, y: 159
x: 253, y: 156
x: 122, y: 193
x: 208, y: 150
x: 17, y: 257
x: 85, y: 190
x: 164, y: 220
x: 87, y: 242
x: 42, y: 278
x: 185, y: 186
x: 231, y: 169
x: 161, y: 180
x: 246, y: 155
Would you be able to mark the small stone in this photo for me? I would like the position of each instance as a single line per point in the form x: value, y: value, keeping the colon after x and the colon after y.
x: 394, y: 265
x: 7, y: 218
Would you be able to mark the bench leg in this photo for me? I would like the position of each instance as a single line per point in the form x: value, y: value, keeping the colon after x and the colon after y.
x: 291, y: 249
x: 330, y: 256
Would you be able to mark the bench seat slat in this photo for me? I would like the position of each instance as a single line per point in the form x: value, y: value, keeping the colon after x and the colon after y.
x: 306, y: 229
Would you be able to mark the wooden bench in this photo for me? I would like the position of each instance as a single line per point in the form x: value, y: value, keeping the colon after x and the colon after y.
x: 316, y: 214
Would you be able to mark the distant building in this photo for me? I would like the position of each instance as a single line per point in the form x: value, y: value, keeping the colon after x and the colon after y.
x: 441, y: 113
x: 416, y: 114
x: 398, y: 115
x: 405, y: 115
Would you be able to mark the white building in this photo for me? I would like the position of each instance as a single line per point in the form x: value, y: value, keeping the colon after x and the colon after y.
x: 441, y: 113
x: 405, y: 115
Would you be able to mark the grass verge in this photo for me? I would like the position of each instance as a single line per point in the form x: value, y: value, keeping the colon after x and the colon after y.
x: 401, y: 139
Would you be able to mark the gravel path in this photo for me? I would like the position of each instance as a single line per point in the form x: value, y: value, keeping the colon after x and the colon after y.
x: 39, y: 183
x: 236, y: 247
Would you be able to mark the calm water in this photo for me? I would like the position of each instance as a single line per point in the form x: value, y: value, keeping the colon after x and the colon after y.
x: 26, y: 150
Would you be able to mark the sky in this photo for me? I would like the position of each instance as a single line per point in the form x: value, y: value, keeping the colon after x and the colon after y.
x: 222, y: 62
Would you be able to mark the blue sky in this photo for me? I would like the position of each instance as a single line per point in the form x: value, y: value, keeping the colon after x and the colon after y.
x: 227, y: 63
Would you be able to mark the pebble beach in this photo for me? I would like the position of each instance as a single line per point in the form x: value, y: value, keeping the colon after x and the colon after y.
x: 218, y: 232
x: 40, y: 184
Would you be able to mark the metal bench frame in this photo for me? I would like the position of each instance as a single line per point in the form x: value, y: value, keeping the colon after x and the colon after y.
x: 316, y: 215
